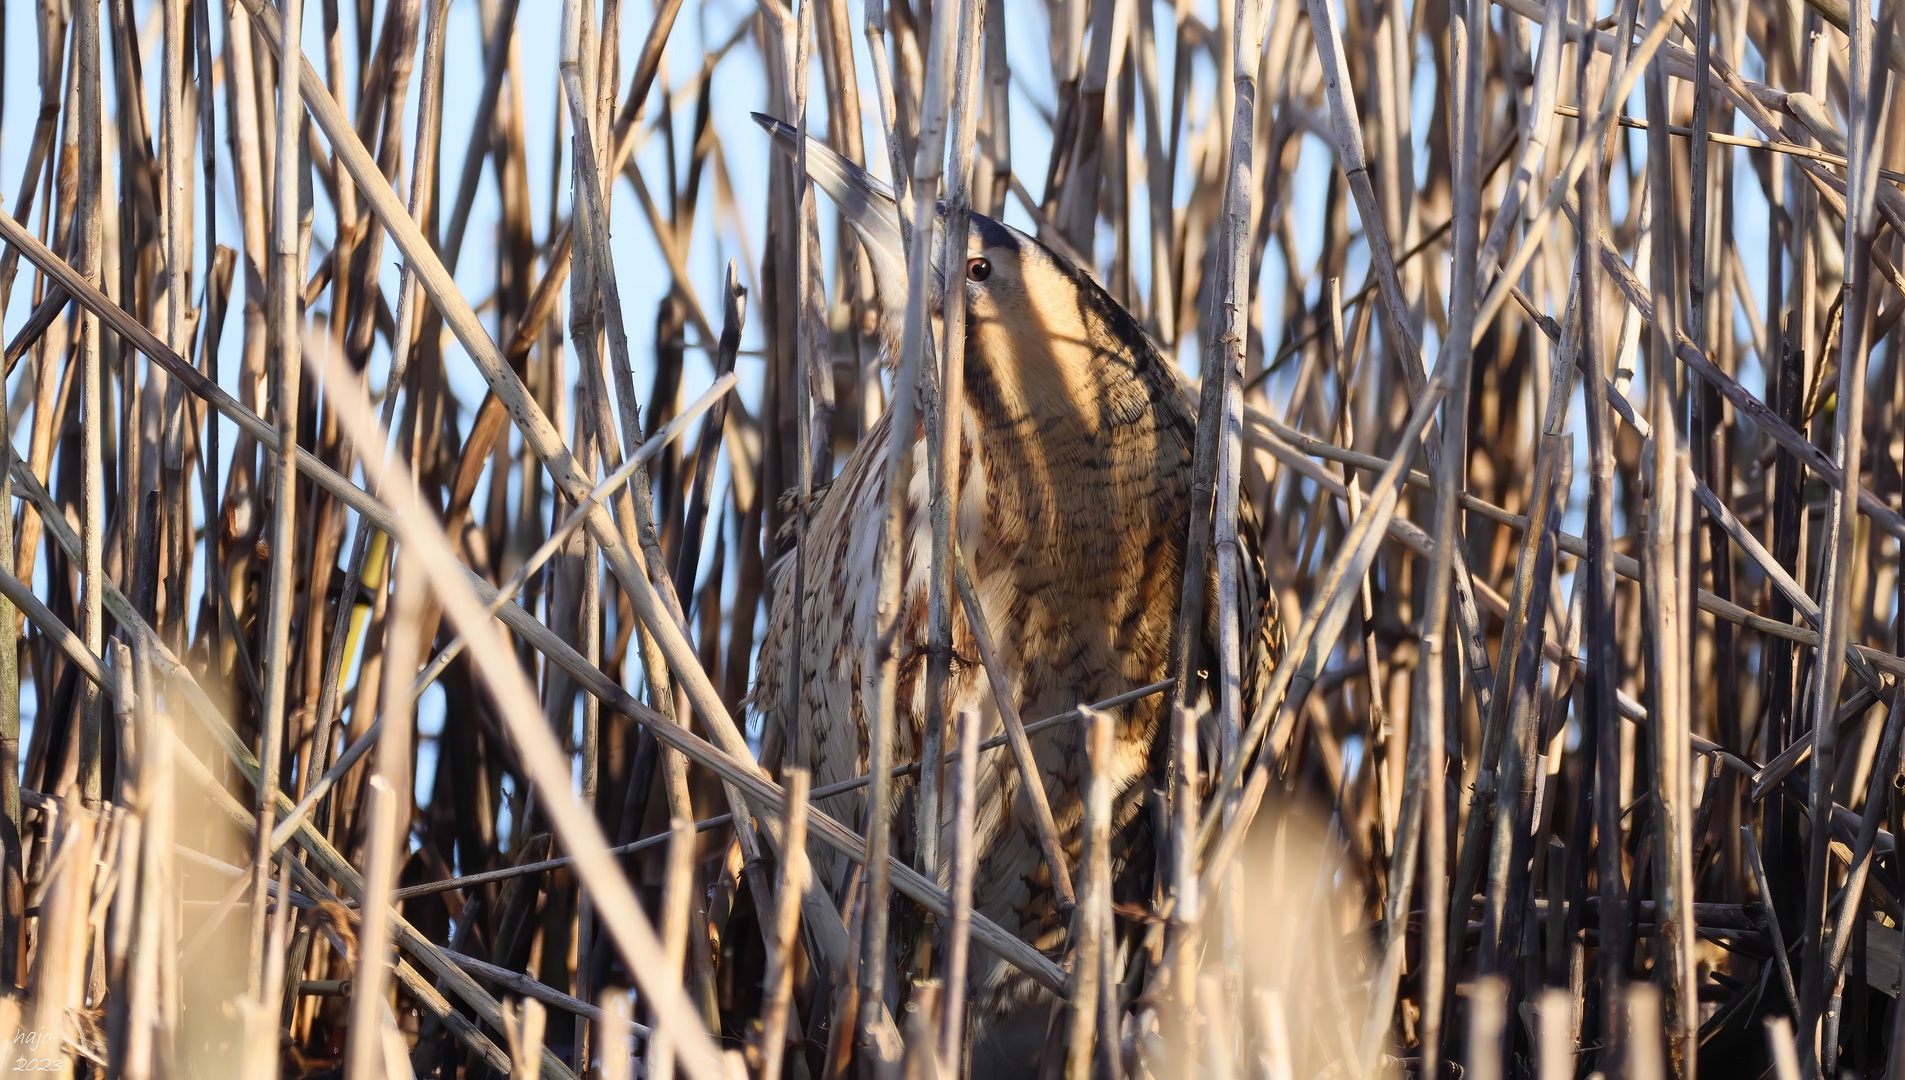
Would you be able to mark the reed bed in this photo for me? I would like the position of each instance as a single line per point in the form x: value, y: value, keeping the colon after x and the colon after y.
x: 368, y: 719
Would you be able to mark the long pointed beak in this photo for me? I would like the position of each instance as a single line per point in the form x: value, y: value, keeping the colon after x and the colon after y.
x: 868, y: 204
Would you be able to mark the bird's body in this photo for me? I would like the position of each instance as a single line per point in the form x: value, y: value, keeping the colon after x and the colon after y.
x: 1074, y: 500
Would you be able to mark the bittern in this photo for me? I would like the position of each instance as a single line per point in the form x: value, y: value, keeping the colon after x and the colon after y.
x: 1073, y: 505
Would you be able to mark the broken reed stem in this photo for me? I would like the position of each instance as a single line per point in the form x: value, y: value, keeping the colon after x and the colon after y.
x: 525, y: 1026
x: 154, y: 999
x: 389, y: 825
x: 964, y: 859
x: 1181, y: 944
x: 779, y: 981
x: 1092, y: 918
x: 676, y: 896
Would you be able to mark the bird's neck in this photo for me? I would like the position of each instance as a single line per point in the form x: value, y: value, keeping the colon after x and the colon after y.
x: 1075, y: 433
x: 1085, y: 383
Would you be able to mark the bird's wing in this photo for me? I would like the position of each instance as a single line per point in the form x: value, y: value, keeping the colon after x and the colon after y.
x: 835, y: 618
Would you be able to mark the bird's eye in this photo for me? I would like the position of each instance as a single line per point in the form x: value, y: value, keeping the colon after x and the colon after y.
x: 979, y: 269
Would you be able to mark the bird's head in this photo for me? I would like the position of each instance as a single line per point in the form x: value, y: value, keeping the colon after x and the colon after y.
x: 1014, y: 285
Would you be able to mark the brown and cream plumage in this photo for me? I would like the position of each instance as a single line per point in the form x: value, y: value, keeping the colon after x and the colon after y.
x: 1074, y: 493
